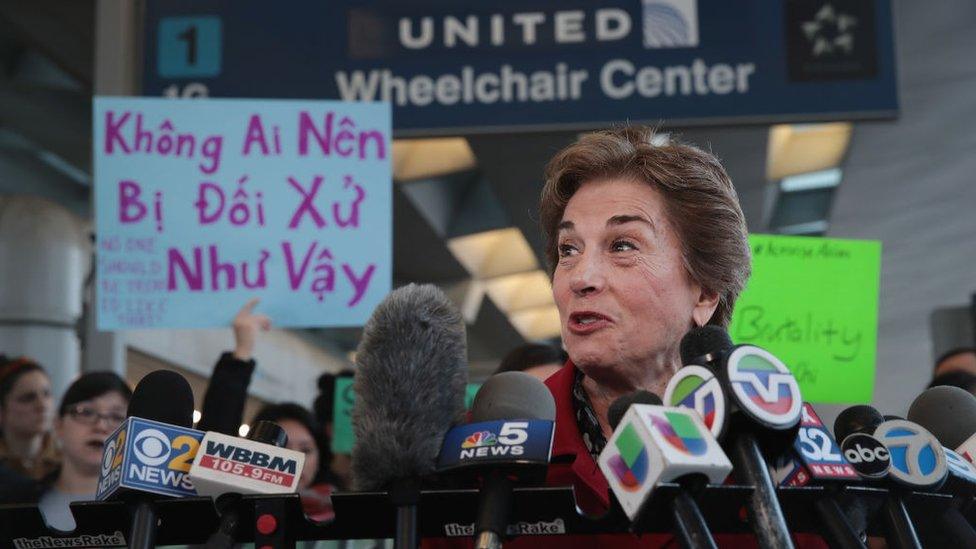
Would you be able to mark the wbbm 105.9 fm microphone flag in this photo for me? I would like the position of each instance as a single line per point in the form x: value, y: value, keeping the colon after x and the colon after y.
x: 410, y: 380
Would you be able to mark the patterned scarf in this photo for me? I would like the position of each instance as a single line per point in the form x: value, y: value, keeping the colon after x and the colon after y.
x: 586, y: 419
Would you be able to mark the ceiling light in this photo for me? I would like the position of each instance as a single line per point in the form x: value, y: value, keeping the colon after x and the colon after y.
x: 424, y: 158
x: 801, y: 148
x: 520, y: 291
x: 538, y: 323
x: 494, y: 253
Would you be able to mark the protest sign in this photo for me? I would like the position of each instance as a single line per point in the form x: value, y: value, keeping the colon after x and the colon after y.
x: 202, y: 204
x: 813, y: 302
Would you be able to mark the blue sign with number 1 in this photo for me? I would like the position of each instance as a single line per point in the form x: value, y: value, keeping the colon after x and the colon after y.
x: 189, y: 46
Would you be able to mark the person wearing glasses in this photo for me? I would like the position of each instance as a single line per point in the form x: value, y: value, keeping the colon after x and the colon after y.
x: 26, y: 446
x: 91, y: 409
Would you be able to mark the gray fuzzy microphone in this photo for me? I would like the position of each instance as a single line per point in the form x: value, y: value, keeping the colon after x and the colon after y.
x: 410, y: 380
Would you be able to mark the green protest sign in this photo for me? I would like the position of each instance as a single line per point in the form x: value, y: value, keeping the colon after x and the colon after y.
x: 342, y: 435
x: 813, y: 302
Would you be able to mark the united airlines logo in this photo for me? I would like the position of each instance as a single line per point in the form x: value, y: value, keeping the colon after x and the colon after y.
x: 764, y: 387
x: 680, y: 432
x: 479, y: 439
x: 697, y: 388
x: 670, y: 23
x: 630, y: 463
x: 917, y: 458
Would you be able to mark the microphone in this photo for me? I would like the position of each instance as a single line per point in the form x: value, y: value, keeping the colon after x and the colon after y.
x: 226, y: 467
x: 816, y: 458
x: 509, y: 440
x: 763, y: 405
x: 620, y: 406
x: 652, y: 444
x: 498, y: 450
x: 914, y: 457
x: 409, y: 383
x: 151, y: 452
x: 866, y: 454
x: 948, y: 413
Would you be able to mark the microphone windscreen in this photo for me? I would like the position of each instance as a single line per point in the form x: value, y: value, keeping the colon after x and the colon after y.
x: 164, y: 396
x: 620, y: 406
x: 513, y: 395
x: 410, y: 380
x: 857, y: 419
x: 947, y: 412
x: 699, y: 342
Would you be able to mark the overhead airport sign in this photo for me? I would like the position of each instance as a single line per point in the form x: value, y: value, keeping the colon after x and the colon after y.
x: 451, y: 68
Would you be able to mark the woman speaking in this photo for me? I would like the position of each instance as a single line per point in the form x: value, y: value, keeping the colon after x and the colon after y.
x: 644, y: 241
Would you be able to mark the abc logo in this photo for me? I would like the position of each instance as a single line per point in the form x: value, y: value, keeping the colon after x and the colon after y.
x: 151, y: 447
x: 869, y: 457
x: 859, y: 454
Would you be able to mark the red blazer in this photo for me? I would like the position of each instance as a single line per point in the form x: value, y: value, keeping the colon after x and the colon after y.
x: 573, y: 466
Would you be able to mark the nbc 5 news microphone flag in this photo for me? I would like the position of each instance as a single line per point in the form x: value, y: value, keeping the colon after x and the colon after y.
x: 522, y: 442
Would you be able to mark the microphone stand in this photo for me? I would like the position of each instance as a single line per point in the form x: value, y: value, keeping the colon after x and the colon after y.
x: 898, y: 525
x: 764, y: 512
x: 405, y: 495
x: 689, y: 524
x: 143, y: 534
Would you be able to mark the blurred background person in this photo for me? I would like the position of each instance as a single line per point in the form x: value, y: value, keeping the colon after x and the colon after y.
x: 535, y: 359
x: 339, y: 463
x: 26, y: 445
x: 317, y: 482
x: 223, y: 403
x: 960, y: 359
x: 92, y: 407
x: 957, y: 378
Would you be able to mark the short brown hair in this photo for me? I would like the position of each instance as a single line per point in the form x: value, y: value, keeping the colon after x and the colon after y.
x: 699, y: 198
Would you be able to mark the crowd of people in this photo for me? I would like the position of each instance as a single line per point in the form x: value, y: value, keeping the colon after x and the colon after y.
x: 644, y: 242
x: 51, y: 453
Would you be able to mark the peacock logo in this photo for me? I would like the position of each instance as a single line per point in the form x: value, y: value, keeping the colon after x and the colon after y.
x: 479, y: 439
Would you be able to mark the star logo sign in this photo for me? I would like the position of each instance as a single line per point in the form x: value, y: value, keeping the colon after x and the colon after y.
x: 830, y: 32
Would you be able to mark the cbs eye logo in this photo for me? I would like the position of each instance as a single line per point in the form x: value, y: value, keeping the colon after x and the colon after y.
x: 109, y: 456
x: 151, y: 447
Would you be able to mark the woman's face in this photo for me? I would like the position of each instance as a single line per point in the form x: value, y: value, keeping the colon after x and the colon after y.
x: 300, y: 440
x: 624, y: 296
x: 27, y: 410
x: 85, y: 426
